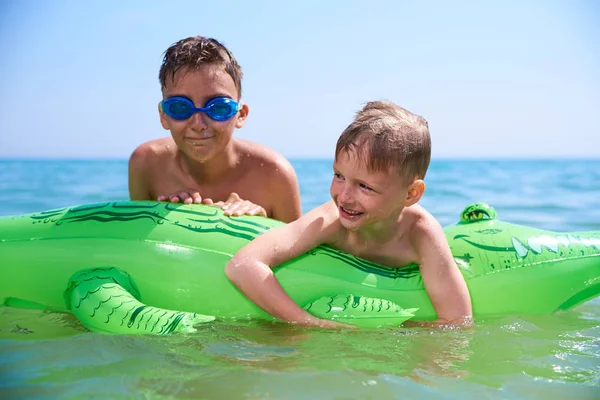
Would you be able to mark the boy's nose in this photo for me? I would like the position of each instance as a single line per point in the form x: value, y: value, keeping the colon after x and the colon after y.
x: 345, y: 195
x: 198, y: 120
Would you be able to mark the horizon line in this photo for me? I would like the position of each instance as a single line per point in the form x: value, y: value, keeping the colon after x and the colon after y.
x: 320, y: 158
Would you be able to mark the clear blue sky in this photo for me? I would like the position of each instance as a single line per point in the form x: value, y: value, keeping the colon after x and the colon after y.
x: 79, y: 79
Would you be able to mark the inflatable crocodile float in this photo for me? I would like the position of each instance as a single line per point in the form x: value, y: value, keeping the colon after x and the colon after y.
x: 150, y: 267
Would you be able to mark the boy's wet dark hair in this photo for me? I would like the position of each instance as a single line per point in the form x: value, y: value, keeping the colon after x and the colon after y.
x: 384, y: 135
x: 195, y: 52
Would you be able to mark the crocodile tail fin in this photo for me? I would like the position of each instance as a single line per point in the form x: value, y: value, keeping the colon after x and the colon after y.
x: 107, y: 300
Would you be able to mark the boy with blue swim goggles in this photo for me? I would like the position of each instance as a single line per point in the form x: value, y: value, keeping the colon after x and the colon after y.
x: 182, y: 108
x: 202, y: 161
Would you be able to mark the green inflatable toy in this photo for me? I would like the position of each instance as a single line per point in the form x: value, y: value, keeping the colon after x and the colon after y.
x: 150, y: 267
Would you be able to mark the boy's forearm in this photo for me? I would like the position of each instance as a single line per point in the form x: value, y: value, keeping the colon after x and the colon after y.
x: 257, y: 282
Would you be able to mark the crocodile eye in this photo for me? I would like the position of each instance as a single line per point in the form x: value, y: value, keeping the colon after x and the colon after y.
x: 477, y: 215
x: 477, y: 212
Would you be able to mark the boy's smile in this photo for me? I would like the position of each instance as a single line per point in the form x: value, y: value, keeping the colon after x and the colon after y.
x: 199, y: 141
x: 349, y: 214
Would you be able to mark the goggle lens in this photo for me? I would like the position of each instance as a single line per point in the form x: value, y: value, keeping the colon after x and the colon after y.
x: 179, y: 110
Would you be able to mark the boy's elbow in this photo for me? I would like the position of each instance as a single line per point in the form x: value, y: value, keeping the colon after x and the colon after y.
x: 243, y: 269
x: 235, y: 269
x: 231, y: 269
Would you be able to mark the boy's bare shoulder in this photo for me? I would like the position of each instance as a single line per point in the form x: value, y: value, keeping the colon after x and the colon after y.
x: 259, y: 153
x: 327, y: 217
x: 425, y: 231
x: 146, y: 154
x: 327, y: 213
x: 264, y: 161
x: 421, y: 220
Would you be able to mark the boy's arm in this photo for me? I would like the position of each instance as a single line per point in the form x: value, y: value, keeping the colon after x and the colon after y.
x: 137, y: 171
x: 250, y: 268
x: 443, y: 280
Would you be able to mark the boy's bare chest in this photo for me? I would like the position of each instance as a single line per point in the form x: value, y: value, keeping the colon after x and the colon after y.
x: 393, y: 255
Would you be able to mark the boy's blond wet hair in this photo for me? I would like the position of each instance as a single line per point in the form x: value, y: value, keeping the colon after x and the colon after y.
x: 195, y: 52
x: 384, y: 135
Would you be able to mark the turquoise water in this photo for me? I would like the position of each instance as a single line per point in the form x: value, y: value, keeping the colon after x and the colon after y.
x: 49, y: 355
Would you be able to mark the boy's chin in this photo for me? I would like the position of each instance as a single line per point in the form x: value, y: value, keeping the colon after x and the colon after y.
x: 200, y: 155
x: 352, y: 224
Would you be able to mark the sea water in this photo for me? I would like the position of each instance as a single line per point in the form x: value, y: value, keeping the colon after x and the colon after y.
x: 49, y: 355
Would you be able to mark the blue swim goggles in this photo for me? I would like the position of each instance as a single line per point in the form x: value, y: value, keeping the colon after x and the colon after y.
x: 181, y: 108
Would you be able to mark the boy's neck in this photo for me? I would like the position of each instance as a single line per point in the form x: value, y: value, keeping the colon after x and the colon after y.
x: 380, y: 232
x: 212, y: 170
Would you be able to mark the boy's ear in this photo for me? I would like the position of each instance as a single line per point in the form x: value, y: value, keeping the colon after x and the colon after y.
x: 414, y: 193
x: 163, y: 117
x: 243, y: 114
